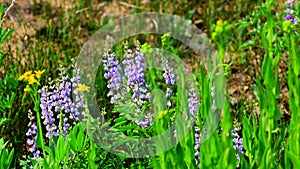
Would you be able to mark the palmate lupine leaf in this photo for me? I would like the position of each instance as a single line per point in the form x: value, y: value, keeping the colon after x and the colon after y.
x: 77, y: 138
x: 62, y: 150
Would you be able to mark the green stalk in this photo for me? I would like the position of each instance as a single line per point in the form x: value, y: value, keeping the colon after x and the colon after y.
x: 269, y: 86
x: 60, y: 122
x: 38, y: 117
x: 294, y: 98
x: 40, y: 131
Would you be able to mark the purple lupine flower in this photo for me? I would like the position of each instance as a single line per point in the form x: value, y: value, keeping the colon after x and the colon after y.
x: 168, y: 73
x: 197, y: 145
x: 142, y: 123
x: 169, y: 77
x: 288, y: 17
x: 290, y: 2
x: 238, y: 143
x: 112, y: 68
x: 78, y: 106
x: 56, y: 103
x: 32, y: 136
x: 134, y: 66
x: 289, y: 12
x: 293, y: 20
x: 46, y: 105
x: 193, y: 101
x: 63, y: 102
x: 168, y: 93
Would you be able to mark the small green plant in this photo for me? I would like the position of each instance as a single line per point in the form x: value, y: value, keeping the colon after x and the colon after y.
x: 6, y: 157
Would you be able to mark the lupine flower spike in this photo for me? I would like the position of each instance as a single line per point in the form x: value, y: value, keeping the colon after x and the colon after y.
x: 238, y: 143
x: 32, y: 136
x: 134, y: 67
x: 289, y: 12
x: 193, y: 102
x: 197, y: 145
x: 112, y: 68
x: 169, y: 77
x: 57, y: 102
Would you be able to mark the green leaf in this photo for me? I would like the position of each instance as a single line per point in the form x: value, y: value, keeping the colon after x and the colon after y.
x: 246, y: 45
x: 3, y: 158
x: 6, y: 34
x: 10, y: 158
x: 92, y: 155
x: 4, y: 121
x: 294, y: 158
x: 119, y: 124
x: 39, y: 138
x: 120, y: 119
x: 61, y: 149
x: 1, y: 9
x: 80, y: 140
x: 226, y: 158
x: 247, y: 135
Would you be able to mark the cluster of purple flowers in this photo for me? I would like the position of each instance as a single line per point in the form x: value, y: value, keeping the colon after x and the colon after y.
x: 134, y: 77
x: 134, y: 66
x: 197, y: 145
x: 289, y: 12
x: 56, y: 100
x: 112, y: 68
x: 59, y: 111
x: 238, y: 143
x: 47, y: 113
x: 193, y: 101
x: 78, y: 98
x: 32, y: 136
x: 169, y: 77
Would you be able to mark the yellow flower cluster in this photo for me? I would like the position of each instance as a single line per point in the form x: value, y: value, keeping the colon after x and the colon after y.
x: 82, y: 88
x: 32, y: 77
x: 220, y: 28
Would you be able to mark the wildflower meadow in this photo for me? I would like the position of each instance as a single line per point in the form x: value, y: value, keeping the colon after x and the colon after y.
x: 149, y: 84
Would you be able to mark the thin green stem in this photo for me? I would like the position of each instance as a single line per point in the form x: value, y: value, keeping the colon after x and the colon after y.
x: 40, y: 130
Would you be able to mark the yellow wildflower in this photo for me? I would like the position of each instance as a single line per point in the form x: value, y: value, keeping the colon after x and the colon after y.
x: 82, y: 88
x: 219, y: 22
x: 25, y: 75
x: 232, y: 48
x: 162, y: 114
x: 39, y: 73
x: 32, y: 80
